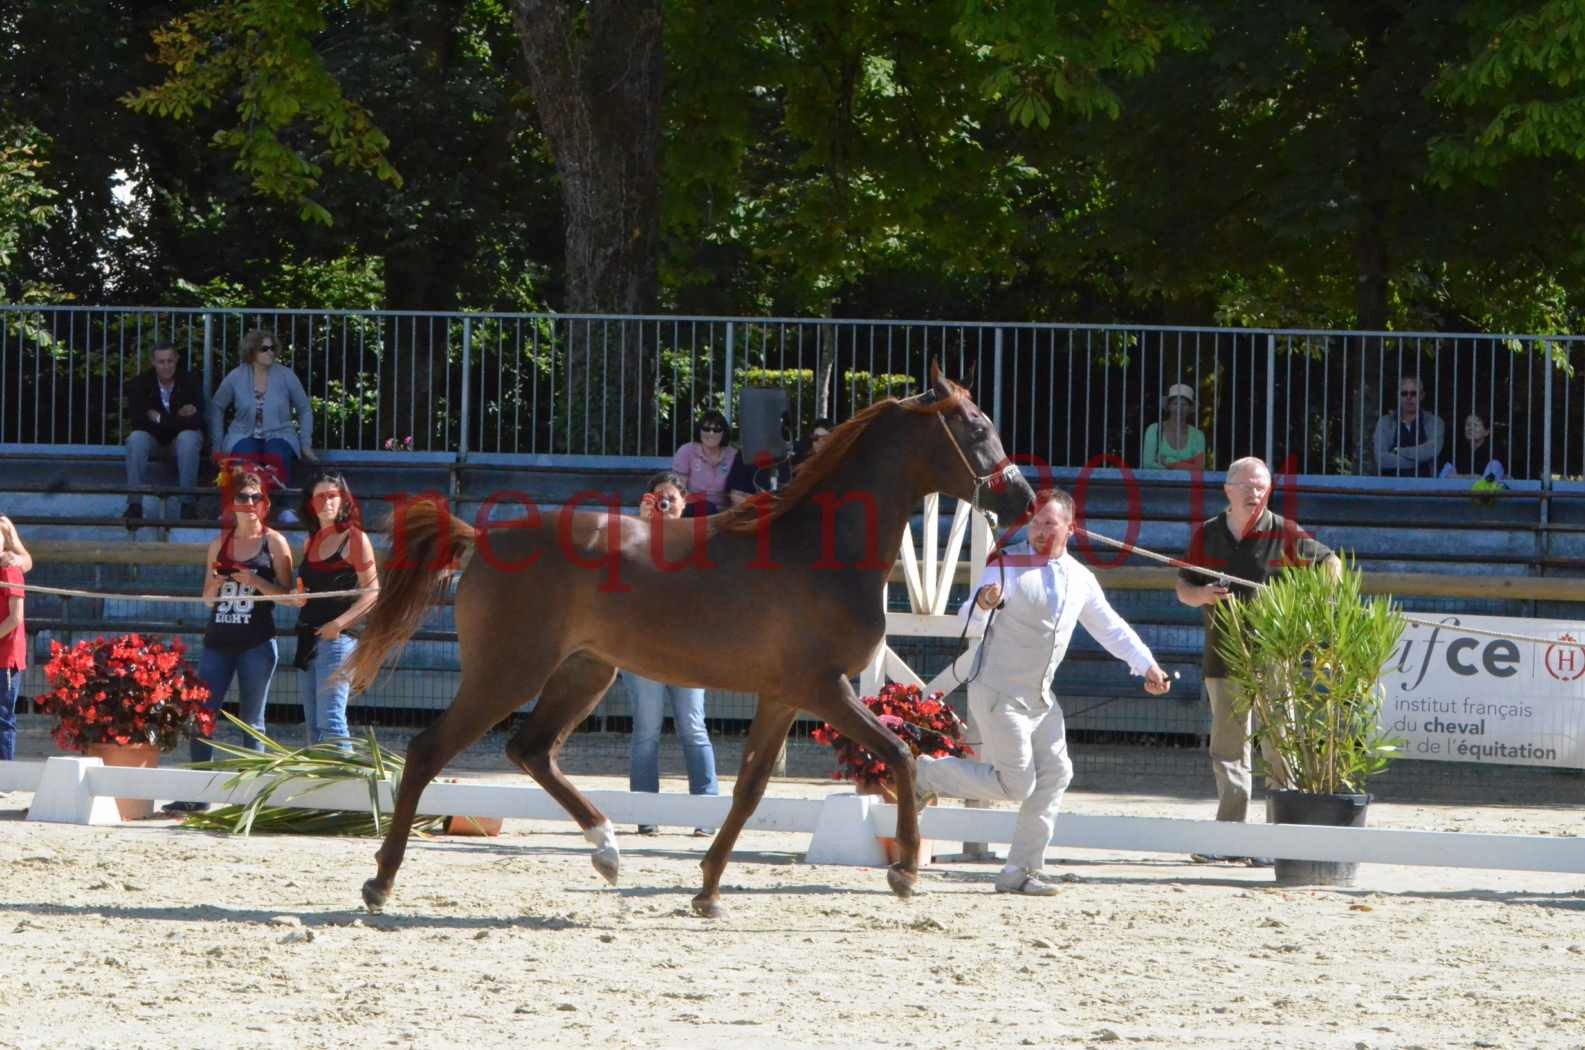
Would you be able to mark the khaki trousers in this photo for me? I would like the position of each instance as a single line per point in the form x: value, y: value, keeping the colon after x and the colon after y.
x: 1231, y: 753
x: 1026, y: 748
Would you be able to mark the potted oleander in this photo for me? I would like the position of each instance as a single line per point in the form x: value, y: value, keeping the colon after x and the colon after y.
x: 1307, y: 652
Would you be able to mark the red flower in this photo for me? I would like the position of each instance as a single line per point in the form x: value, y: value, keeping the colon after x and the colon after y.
x: 926, y: 724
x: 123, y: 690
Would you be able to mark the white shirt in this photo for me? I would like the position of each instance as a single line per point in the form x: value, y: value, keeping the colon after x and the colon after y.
x: 1029, y: 636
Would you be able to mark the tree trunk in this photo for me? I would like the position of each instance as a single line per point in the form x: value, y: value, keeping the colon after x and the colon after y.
x: 825, y: 371
x: 596, y: 72
x: 1376, y: 171
x: 415, y: 357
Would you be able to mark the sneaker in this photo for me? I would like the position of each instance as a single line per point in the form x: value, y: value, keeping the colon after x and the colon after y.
x: 1025, y: 883
x: 648, y: 829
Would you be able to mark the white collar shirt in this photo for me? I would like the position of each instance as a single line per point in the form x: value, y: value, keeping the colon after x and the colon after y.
x: 1029, y: 636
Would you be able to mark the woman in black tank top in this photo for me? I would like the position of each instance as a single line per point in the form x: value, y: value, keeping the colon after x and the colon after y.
x: 246, y: 560
x: 337, y: 557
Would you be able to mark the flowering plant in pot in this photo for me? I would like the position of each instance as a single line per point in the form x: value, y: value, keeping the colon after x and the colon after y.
x: 126, y: 690
x: 1307, y: 653
x: 926, y: 724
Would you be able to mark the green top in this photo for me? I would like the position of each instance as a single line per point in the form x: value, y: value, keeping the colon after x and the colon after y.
x: 1156, y: 450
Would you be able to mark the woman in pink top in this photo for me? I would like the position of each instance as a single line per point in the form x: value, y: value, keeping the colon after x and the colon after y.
x: 705, y: 460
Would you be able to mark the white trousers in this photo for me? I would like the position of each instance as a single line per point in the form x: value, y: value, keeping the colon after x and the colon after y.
x: 1026, y: 761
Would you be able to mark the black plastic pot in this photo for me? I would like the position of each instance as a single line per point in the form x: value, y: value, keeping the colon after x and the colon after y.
x: 1333, y: 811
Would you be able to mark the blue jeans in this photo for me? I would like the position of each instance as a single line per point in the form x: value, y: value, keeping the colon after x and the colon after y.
x: 325, y: 702
x: 687, y: 712
x: 275, y: 449
x: 8, y: 713
x: 253, y: 668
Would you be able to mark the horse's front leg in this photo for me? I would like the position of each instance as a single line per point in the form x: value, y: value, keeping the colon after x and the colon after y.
x: 765, y: 739
x: 838, y: 704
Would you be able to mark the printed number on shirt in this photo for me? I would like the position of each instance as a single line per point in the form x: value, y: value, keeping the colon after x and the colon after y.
x: 237, y: 598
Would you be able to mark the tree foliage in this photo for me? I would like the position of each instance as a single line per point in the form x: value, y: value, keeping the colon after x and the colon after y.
x: 261, y: 59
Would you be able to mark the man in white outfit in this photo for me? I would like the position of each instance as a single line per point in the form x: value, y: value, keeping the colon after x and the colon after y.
x: 1024, y: 738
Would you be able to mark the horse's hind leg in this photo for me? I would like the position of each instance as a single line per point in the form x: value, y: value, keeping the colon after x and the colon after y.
x: 569, y: 696
x: 473, y: 711
x: 765, y: 738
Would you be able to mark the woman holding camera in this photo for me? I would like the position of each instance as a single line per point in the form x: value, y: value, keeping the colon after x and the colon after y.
x: 662, y: 500
x: 245, y: 560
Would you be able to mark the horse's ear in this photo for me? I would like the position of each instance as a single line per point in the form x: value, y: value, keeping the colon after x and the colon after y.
x: 938, y: 382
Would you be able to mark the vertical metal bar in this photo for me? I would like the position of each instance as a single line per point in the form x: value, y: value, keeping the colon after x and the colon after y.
x: 1271, y: 401
x: 731, y: 352
x: 463, y: 414
x: 1546, y: 421
x: 996, y: 370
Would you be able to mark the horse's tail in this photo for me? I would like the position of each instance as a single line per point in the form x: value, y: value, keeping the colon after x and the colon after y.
x: 427, y: 542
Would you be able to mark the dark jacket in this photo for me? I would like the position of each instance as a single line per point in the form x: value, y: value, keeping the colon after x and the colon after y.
x: 143, y: 396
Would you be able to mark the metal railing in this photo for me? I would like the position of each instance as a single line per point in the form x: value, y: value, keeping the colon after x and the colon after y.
x: 1067, y: 395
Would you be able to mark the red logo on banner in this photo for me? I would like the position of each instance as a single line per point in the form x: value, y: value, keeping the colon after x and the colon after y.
x: 1565, y: 659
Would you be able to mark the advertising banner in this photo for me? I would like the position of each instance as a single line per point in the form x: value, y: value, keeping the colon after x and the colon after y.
x: 1454, y: 696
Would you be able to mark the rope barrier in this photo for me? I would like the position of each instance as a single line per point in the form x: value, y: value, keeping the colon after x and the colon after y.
x: 1143, y: 552
x: 289, y: 596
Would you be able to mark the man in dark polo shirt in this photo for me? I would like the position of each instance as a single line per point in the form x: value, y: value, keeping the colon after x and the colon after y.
x: 1248, y: 541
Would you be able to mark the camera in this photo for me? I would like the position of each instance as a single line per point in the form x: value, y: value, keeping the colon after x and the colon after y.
x: 663, y: 504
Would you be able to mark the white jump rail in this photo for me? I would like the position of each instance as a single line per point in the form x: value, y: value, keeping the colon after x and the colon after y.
x: 843, y: 826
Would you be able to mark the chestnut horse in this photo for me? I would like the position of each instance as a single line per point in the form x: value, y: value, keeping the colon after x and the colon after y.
x: 780, y: 597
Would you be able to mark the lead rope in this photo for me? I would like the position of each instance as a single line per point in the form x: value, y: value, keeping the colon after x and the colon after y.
x: 1224, y: 578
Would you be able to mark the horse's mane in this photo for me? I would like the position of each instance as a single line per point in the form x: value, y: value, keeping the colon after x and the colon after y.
x: 745, y: 517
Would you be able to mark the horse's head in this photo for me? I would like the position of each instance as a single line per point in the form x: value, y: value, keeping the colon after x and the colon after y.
x: 980, y: 470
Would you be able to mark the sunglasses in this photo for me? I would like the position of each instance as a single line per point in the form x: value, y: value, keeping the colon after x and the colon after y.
x: 248, y: 497
x: 1408, y: 393
x: 711, y: 428
x: 267, y: 348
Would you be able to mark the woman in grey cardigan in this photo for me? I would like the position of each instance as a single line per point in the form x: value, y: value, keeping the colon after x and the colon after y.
x: 262, y: 396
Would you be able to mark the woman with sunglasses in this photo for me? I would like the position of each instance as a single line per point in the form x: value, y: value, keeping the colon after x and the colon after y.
x: 1174, y: 443
x: 248, y: 558
x: 263, y: 394
x: 705, y: 462
x: 337, y: 557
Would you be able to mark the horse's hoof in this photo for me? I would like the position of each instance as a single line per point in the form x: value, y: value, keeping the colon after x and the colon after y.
x: 374, y: 897
x: 608, y: 862
x: 903, y: 883
x: 708, y: 908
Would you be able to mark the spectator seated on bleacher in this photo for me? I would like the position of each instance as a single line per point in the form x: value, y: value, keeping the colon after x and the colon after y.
x: 262, y: 397
x: 165, y: 411
x: 1409, y: 440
